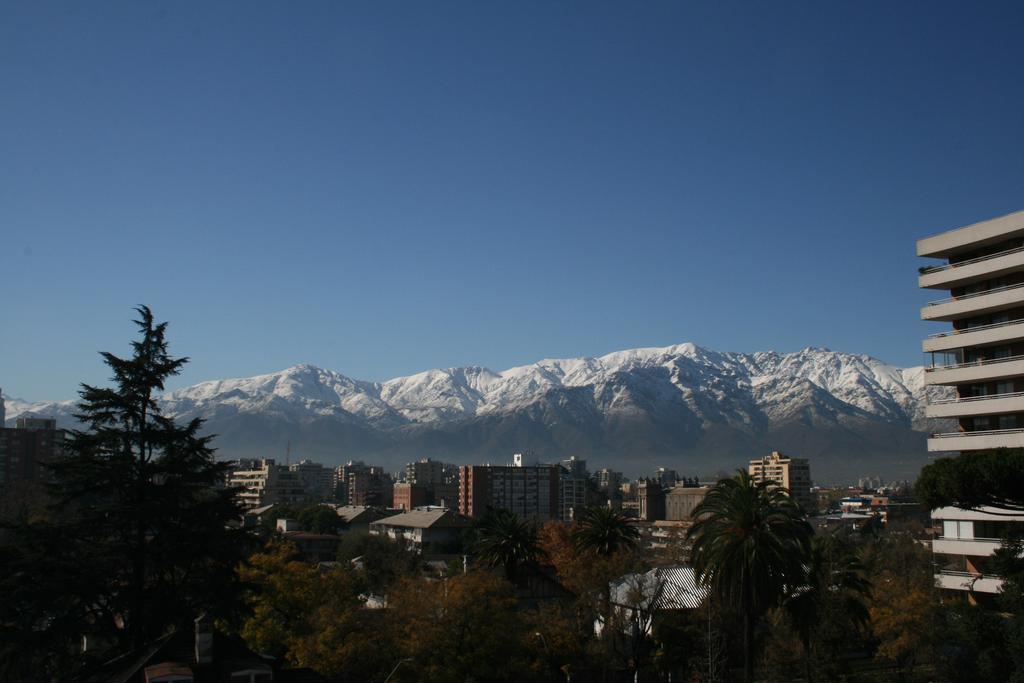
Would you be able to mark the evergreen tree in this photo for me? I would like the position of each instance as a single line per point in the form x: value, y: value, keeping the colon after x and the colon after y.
x: 139, y: 515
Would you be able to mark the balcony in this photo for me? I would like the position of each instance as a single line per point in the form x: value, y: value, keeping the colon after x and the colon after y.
x: 966, y: 581
x: 991, y: 301
x: 993, y: 404
x: 952, y: 275
x: 975, y: 336
x: 973, y: 441
x: 975, y: 371
x: 975, y: 547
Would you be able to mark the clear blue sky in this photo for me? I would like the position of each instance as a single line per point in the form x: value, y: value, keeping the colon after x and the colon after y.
x: 385, y: 187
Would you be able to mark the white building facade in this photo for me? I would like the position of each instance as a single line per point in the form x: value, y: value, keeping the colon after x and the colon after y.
x: 980, y: 356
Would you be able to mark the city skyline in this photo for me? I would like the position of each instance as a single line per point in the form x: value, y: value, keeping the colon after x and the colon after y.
x: 381, y: 192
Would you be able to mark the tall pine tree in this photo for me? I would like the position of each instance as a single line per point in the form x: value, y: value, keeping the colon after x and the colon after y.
x: 138, y: 538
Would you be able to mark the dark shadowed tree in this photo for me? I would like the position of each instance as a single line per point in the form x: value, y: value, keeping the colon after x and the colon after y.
x: 604, y: 531
x: 137, y: 540
x: 504, y: 540
x: 975, y: 479
x: 750, y: 546
x: 832, y: 601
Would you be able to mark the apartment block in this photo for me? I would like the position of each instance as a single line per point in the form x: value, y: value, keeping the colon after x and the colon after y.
x: 978, y: 357
x: 317, y: 479
x: 264, y: 482
x: 372, y: 487
x: 526, y: 489
x: 440, y: 480
x: 792, y: 474
x: 25, y: 450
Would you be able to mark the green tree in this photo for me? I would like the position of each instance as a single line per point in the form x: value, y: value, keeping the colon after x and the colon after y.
x: 504, y: 540
x: 975, y: 479
x: 384, y: 560
x: 465, y: 628
x: 312, y: 616
x: 604, y: 531
x: 138, y: 515
x: 904, y: 606
x: 830, y: 605
x: 750, y: 545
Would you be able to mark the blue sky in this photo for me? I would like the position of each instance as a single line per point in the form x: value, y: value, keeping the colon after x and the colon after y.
x: 384, y: 187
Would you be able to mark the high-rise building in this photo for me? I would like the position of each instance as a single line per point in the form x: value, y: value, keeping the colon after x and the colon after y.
x: 25, y: 449
x: 527, y: 490
x: 980, y: 358
x: 573, y: 485
x: 316, y: 479
x: 373, y: 487
x: 341, y: 474
x: 666, y: 477
x: 792, y: 474
x: 608, y: 481
x: 440, y: 481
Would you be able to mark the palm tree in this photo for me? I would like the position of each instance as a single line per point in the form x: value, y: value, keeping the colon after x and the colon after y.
x: 750, y: 544
x: 604, y: 531
x: 504, y: 540
x: 834, y: 581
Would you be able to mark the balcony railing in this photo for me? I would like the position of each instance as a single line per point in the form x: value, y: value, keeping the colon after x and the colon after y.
x: 972, y: 399
x: 968, y: 540
x: 978, y: 328
x: 946, y: 266
x: 974, y: 363
x: 987, y: 432
x: 994, y: 290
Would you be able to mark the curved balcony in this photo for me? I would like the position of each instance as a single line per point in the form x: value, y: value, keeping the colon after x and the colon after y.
x: 968, y: 581
x: 949, y: 275
x: 992, y: 404
x: 975, y: 547
x: 975, y: 371
x: 975, y: 336
x: 990, y: 301
x: 973, y: 441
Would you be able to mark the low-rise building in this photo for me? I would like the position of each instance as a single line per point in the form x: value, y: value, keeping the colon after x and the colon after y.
x: 682, y: 499
x: 434, y: 529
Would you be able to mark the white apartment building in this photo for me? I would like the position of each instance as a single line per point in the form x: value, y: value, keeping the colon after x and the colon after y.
x: 980, y: 355
x: 263, y: 482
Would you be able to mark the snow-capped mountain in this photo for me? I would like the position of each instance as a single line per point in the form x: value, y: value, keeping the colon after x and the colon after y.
x: 682, y: 406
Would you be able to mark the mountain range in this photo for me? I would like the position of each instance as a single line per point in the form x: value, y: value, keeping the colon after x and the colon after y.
x: 689, y: 408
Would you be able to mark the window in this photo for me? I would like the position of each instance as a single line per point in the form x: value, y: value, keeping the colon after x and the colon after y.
x: 1008, y: 422
x: 954, y: 529
x: 1004, y: 387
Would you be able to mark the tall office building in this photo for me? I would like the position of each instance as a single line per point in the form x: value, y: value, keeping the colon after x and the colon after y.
x: 981, y: 357
x: 792, y: 474
x: 439, y: 481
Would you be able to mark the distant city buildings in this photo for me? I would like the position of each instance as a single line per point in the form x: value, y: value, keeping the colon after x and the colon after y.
x: 264, y: 482
x: 980, y: 358
x: 792, y: 474
x: 25, y: 450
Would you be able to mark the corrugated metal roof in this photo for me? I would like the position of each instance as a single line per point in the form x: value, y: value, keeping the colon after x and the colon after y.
x: 673, y: 587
